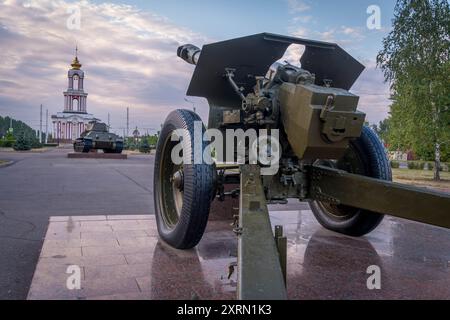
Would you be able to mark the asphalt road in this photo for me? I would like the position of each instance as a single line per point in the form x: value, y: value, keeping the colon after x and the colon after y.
x: 38, y: 186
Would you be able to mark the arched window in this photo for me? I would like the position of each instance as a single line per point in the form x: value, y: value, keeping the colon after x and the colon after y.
x: 76, y: 104
x: 76, y: 82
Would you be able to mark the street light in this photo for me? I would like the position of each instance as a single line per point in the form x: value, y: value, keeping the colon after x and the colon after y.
x: 192, y: 102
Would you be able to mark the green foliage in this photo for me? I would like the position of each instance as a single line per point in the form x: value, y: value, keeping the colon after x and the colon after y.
x: 416, y: 165
x: 8, y: 140
x: 18, y: 127
x: 382, y: 130
x: 144, y: 147
x: 415, y: 60
x: 23, y: 142
x: 395, y: 164
x: 153, y: 140
x: 35, y: 144
x: 131, y: 146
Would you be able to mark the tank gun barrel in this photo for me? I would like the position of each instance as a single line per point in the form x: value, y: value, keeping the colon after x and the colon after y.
x: 189, y: 53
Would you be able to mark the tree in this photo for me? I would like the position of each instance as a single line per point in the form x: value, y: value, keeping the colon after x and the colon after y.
x: 153, y: 140
x: 415, y: 60
x: 382, y: 130
x: 22, y: 143
x: 35, y: 144
x: 144, y: 147
x: 8, y: 140
x: 18, y: 126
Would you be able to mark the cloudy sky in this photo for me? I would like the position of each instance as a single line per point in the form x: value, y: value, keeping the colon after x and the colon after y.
x: 128, y: 50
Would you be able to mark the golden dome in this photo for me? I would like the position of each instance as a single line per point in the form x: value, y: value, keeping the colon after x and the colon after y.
x: 75, y: 63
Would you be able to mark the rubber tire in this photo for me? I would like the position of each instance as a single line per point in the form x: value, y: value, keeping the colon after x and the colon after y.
x: 198, y: 187
x: 371, y: 151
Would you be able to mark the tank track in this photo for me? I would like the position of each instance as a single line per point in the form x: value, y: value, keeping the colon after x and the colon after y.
x: 81, y: 145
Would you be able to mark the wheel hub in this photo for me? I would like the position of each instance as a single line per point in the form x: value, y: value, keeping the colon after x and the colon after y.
x: 178, y: 179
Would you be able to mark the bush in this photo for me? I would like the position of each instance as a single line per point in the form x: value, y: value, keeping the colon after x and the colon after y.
x: 395, y: 164
x: 22, y: 143
x: 416, y: 165
x: 35, y: 144
x: 144, y: 146
x: 8, y: 141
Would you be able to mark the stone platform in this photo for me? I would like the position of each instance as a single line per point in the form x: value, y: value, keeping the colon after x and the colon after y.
x: 121, y: 257
x: 96, y: 155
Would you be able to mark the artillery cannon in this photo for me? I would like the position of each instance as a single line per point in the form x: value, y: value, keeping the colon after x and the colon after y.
x: 325, y: 153
x: 97, y: 136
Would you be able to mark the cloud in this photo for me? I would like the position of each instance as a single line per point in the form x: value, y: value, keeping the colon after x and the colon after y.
x: 340, y: 35
x: 355, y: 33
x: 374, y: 93
x: 128, y: 55
x: 296, y: 6
x: 302, y: 19
x: 301, y: 32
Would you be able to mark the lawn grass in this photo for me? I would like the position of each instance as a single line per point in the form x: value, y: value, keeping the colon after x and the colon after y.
x: 423, y: 178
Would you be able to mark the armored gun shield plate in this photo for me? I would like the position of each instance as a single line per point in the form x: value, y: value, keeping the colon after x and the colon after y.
x: 253, y: 55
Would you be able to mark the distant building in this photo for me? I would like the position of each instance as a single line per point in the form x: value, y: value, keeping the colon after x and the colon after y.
x: 136, y: 135
x: 401, y: 156
x: 69, y: 124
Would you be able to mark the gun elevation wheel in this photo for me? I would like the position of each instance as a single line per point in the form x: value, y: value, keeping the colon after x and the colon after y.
x: 182, y: 192
x: 365, y: 156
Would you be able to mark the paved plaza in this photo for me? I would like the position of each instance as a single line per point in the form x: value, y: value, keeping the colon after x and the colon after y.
x: 98, y: 214
x: 121, y: 257
x: 40, y: 185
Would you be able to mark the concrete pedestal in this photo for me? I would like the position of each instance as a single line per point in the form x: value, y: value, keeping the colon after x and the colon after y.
x: 96, y: 155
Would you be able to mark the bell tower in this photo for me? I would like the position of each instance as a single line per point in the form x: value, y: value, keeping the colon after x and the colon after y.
x: 75, y: 98
x: 69, y: 124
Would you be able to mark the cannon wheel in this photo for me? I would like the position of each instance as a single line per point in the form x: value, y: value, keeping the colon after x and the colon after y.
x: 182, y: 192
x: 365, y: 156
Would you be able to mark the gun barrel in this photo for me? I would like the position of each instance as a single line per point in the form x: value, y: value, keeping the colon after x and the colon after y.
x: 189, y: 53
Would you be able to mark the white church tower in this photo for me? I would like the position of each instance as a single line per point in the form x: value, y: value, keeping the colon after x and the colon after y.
x: 75, y: 97
x: 69, y: 124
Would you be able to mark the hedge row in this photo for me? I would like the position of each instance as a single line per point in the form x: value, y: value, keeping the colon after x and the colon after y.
x: 420, y: 165
x: 7, y: 143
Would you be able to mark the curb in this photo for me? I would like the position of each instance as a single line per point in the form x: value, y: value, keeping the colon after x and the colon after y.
x: 6, y: 164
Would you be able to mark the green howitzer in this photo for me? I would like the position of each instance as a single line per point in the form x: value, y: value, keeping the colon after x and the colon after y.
x: 327, y: 156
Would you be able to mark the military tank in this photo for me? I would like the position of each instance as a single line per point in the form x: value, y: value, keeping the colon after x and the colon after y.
x: 96, y: 136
